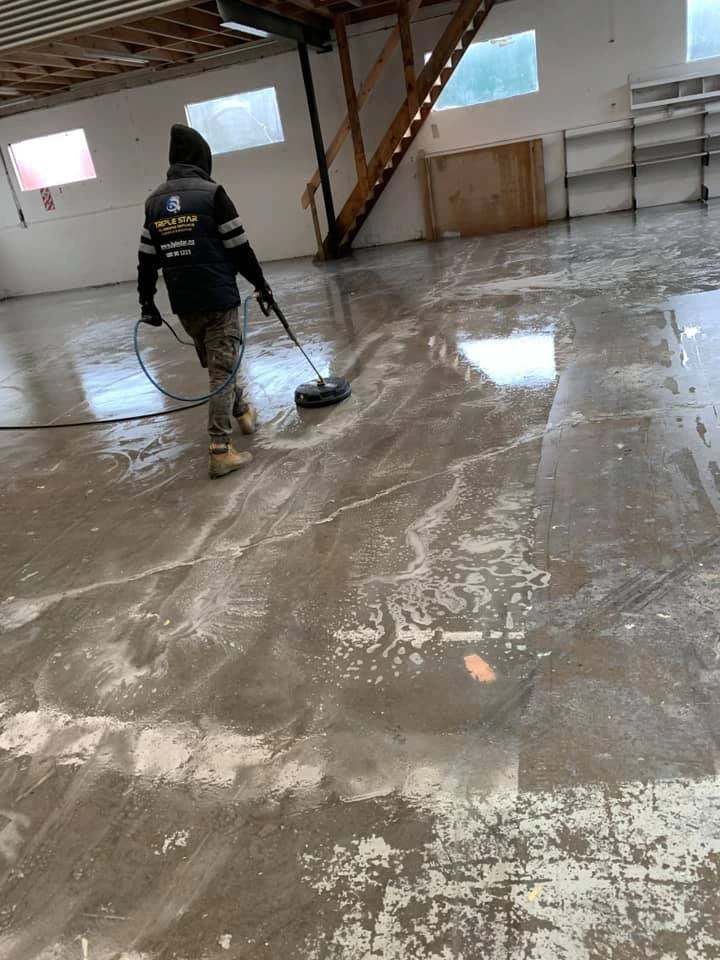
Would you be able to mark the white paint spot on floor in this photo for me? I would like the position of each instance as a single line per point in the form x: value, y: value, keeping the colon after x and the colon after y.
x: 225, y: 941
x: 13, y: 827
x: 171, y: 752
x: 16, y: 613
x: 371, y: 795
x: 296, y: 775
x: 178, y: 839
x: 469, y: 637
x: 162, y: 752
x: 620, y: 862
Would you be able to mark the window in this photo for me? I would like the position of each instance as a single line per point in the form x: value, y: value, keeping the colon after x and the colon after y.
x: 703, y: 29
x: 238, y: 122
x: 53, y: 160
x: 493, y: 70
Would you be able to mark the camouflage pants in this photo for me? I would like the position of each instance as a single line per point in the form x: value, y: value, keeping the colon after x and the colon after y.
x: 217, y: 339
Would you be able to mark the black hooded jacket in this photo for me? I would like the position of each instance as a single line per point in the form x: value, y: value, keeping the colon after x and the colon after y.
x: 193, y: 233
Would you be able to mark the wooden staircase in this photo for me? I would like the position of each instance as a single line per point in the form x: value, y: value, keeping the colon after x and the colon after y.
x: 422, y: 93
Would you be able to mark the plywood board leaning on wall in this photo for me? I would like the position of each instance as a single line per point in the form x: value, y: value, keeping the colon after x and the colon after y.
x: 489, y: 190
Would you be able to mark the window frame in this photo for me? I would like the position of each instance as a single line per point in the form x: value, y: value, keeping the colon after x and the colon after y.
x: 54, y: 182
x: 229, y: 96
x: 482, y: 103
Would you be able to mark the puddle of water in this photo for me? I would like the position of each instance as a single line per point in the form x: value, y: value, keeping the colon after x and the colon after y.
x: 520, y: 360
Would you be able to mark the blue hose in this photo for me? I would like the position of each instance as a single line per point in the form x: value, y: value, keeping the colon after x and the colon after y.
x: 206, y: 396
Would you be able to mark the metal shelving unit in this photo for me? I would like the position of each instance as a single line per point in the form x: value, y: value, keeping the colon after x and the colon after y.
x: 676, y: 86
x: 675, y: 124
x: 594, y: 171
x: 607, y: 143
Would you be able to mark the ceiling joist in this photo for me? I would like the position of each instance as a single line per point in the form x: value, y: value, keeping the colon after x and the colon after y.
x: 71, y: 46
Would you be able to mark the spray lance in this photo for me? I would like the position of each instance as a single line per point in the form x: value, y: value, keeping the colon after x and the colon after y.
x: 323, y: 392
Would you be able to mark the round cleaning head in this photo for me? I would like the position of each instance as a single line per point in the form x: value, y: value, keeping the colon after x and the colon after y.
x: 316, y: 394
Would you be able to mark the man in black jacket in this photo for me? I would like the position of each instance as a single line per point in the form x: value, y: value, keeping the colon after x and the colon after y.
x: 193, y: 233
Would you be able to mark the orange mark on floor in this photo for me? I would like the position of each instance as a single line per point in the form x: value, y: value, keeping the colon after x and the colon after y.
x: 479, y: 669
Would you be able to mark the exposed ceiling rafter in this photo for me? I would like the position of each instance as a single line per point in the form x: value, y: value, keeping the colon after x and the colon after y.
x: 75, y: 48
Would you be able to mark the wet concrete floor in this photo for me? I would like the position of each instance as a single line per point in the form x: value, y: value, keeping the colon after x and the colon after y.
x: 436, y: 678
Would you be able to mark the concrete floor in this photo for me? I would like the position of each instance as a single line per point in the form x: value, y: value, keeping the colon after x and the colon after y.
x: 437, y: 678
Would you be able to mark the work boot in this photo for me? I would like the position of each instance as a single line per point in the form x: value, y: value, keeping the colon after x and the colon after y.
x: 248, y: 420
x: 245, y: 414
x: 224, y: 459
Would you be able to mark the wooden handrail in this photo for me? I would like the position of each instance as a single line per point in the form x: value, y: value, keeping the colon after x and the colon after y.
x: 351, y: 99
x: 408, y: 56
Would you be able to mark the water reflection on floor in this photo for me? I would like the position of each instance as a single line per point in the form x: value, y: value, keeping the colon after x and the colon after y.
x: 520, y: 360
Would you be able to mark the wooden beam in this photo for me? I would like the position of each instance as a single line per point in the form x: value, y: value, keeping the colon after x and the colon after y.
x: 366, y: 88
x: 152, y: 51
x: 157, y: 27
x: 143, y: 44
x: 425, y: 182
x: 42, y: 83
x: 383, y: 8
x: 205, y: 43
x: 93, y: 71
x: 408, y: 56
x: 470, y: 14
x: 316, y: 227
x: 351, y: 100
x: 86, y: 69
x: 294, y: 8
x: 38, y: 58
x: 78, y: 22
x: 189, y: 48
x: 81, y: 48
x: 84, y: 54
x: 194, y: 17
x: 20, y: 71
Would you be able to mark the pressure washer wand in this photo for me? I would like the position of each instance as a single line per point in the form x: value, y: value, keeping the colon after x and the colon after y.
x: 281, y: 317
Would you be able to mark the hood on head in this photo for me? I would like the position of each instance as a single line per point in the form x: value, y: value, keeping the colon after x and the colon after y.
x: 187, y: 146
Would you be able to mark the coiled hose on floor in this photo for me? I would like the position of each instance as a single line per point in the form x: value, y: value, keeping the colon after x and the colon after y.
x: 206, y: 396
x: 190, y: 402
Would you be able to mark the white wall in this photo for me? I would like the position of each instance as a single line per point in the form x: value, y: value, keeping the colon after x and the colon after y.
x: 91, y: 238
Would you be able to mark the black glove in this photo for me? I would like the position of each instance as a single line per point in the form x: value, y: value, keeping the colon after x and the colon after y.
x: 265, y: 298
x: 150, y: 314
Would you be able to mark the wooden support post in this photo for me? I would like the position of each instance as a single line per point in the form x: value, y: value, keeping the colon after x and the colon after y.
x: 316, y: 224
x: 408, y: 56
x: 425, y: 183
x: 351, y: 99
